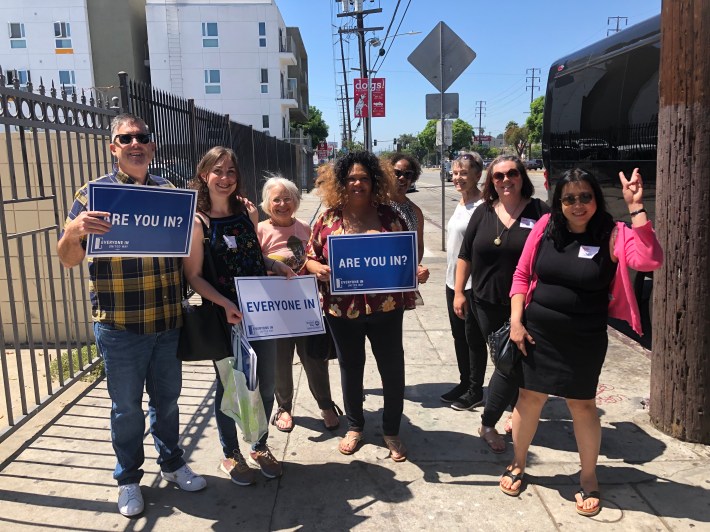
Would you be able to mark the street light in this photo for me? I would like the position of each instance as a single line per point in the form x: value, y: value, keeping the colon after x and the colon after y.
x: 375, y: 42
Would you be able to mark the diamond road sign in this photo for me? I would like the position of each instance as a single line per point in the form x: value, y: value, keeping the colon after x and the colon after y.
x: 441, y: 45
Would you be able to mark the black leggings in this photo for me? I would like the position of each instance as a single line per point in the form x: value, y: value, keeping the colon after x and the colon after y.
x: 384, y: 330
x: 502, y: 390
x: 469, y: 344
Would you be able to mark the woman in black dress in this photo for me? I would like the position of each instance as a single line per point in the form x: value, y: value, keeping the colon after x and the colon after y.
x: 573, y: 275
x: 491, y: 247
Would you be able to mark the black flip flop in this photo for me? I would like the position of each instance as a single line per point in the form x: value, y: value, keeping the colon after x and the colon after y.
x: 512, y: 492
x: 591, y: 495
x: 275, y: 418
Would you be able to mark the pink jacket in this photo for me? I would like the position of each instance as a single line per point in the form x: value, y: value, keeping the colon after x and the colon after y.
x: 636, y: 248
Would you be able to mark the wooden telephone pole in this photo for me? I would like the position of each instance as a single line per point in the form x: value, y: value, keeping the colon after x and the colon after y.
x: 680, y: 368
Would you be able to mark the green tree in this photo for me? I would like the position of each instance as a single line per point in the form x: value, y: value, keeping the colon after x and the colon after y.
x: 516, y: 137
x: 427, y: 137
x: 461, y: 135
x: 315, y: 126
x: 534, y: 121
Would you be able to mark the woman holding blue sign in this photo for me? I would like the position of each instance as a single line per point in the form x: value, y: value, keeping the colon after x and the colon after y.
x: 284, y: 237
x: 227, y: 221
x: 356, y: 192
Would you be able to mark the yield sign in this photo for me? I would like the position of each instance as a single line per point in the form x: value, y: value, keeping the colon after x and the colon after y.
x: 441, y: 46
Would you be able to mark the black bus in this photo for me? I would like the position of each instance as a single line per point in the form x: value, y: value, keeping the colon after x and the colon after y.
x: 601, y: 114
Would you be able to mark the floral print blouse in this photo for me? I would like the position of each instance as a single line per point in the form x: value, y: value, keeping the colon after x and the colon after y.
x: 236, y: 252
x: 352, y: 306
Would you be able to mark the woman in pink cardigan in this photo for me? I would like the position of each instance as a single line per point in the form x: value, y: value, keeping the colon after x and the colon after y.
x: 572, y: 275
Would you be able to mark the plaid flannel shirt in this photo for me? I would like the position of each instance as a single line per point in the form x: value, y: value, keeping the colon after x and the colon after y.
x: 141, y: 295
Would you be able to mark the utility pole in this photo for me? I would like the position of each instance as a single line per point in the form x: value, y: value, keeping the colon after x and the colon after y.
x: 348, y: 123
x: 618, y: 27
x: 343, y: 106
x: 680, y: 366
x: 480, y: 112
x: 359, y: 13
x: 532, y: 77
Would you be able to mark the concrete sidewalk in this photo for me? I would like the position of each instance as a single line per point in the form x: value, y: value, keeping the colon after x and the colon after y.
x: 61, y: 478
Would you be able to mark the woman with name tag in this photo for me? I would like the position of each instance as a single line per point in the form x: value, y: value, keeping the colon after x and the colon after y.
x: 356, y: 192
x: 491, y: 247
x: 559, y: 313
x: 284, y: 237
x: 229, y: 221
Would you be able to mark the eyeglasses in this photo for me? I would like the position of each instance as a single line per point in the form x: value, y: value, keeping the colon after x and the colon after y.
x: 510, y: 174
x: 125, y: 138
x: 570, y: 199
x: 408, y: 174
x: 470, y: 158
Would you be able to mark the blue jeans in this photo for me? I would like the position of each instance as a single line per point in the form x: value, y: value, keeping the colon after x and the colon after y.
x: 266, y: 372
x: 133, y: 361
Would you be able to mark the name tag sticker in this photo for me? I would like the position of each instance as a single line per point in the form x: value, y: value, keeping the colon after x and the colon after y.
x: 527, y: 223
x: 231, y: 241
x: 588, y: 252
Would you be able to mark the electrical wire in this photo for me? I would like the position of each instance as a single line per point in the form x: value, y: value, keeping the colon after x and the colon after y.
x: 394, y: 37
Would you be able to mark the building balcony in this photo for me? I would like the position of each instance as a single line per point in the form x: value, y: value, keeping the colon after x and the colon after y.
x: 286, y: 54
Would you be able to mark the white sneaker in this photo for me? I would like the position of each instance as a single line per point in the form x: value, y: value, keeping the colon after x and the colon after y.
x: 130, y: 500
x: 187, y: 479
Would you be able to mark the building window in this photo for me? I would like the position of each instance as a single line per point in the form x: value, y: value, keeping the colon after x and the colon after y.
x: 67, y: 81
x: 264, y: 81
x: 17, y: 35
x: 262, y: 34
x: 212, y: 82
x: 210, y: 35
x: 265, y: 121
x: 62, y: 35
x: 21, y: 76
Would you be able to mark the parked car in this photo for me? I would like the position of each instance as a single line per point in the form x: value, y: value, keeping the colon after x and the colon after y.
x: 533, y: 164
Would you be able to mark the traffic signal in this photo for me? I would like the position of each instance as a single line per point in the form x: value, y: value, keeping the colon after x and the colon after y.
x: 394, y: 142
x: 374, y: 142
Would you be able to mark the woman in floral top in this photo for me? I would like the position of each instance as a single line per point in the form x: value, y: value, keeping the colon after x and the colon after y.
x: 356, y: 192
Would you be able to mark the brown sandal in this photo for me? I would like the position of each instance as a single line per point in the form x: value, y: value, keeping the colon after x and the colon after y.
x: 398, y: 451
x: 350, y: 442
x: 330, y: 413
x: 494, y: 440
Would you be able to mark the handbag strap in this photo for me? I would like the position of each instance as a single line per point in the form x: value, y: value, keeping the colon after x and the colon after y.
x: 207, y: 252
x: 207, y: 259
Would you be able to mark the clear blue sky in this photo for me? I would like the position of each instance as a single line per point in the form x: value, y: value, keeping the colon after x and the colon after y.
x: 507, y: 36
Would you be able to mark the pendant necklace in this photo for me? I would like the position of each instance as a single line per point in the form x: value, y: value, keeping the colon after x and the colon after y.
x: 497, y: 240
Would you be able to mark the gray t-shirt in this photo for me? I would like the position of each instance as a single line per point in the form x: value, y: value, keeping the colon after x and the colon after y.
x: 455, y: 229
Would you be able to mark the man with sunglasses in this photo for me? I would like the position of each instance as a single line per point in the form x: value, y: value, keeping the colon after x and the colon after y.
x: 137, y: 314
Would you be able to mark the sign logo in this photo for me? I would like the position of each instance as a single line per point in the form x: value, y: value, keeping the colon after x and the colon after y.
x: 362, y: 109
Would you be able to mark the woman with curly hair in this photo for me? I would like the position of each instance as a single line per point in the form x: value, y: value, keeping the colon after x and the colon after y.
x: 356, y: 192
x: 227, y: 220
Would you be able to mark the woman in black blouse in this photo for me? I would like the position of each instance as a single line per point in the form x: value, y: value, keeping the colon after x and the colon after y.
x: 489, y: 253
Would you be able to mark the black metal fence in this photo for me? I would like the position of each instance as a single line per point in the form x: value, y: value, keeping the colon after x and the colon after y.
x: 184, y: 133
x: 50, y: 145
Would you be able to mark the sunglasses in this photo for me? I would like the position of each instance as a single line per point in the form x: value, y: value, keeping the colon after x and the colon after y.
x: 470, y: 158
x: 571, y: 199
x: 408, y: 174
x: 510, y: 174
x: 125, y: 138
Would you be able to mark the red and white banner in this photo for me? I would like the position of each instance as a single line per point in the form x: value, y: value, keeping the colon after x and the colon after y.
x: 362, y: 109
x: 322, y: 150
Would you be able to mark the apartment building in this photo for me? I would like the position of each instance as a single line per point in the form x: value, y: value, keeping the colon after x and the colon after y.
x: 48, y: 41
x: 77, y: 44
x: 235, y: 57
